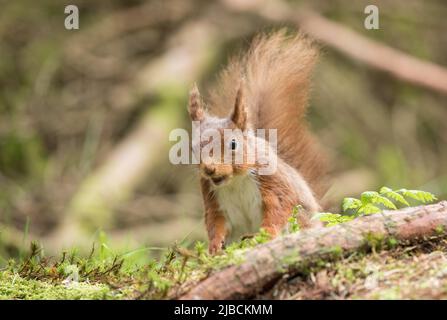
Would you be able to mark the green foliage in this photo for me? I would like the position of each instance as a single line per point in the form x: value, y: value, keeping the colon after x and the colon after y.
x: 332, y: 219
x: 106, y: 274
x: 200, y: 248
x: 421, y: 196
x: 293, y: 219
x: 13, y: 286
x: 393, y: 195
x: 371, y: 202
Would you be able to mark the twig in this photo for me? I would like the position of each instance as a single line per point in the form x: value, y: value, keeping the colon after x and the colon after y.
x: 375, y: 54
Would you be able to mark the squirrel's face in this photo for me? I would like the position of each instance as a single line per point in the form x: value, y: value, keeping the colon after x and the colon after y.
x: 223, y: 151
x: 222, y: 145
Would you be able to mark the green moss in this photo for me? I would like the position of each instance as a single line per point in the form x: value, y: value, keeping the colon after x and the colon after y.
x: 12, y: 286
x: 392, y: 242
x: 440, y: 229
x: 290, y: 260
x: 374, y: 241
x: 336, y: 252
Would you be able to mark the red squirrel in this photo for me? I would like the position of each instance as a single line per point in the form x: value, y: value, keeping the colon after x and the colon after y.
x: 265, y: 88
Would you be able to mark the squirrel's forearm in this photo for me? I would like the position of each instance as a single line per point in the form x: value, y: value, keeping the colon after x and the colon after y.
x: 275, y: 213
x: 217, y: 232
x: 214, y: 219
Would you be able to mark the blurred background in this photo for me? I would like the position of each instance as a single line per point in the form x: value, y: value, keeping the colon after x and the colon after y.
x: 85, y: 114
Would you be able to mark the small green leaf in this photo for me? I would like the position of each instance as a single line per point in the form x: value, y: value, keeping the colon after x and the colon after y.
x: 382, y: 200
x: 385, y: 190
x: 350, y: 203
x: 333, y: 219
x: 367, y: 196
x: 369, y: 209
x: 421, y: 196
x: 393, y: 195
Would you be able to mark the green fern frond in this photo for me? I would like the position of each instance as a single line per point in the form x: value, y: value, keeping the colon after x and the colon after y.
x: 371, y: 202
x: 385, y: 201
x: 369, y: 197
x: 350, y: 203
x: 393, y: 195
x: 366, y: 196
x: 422, y: 196
x: 368, y: 208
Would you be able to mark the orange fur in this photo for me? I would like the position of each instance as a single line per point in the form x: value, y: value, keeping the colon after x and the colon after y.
x: 272, y: 93
x: 214, y: 220
x: 277, y: 70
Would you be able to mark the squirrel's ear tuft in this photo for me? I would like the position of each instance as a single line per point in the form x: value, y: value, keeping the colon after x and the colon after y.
x: 195, y: 108
x: 239, y: 116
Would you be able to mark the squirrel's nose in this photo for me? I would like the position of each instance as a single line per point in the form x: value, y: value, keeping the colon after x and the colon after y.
x: 209, y: 170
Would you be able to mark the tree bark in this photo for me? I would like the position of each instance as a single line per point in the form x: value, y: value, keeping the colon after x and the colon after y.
x: 292, y: 253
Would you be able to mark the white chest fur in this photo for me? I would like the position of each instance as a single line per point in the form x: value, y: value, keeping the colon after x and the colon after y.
x: 241, y: 203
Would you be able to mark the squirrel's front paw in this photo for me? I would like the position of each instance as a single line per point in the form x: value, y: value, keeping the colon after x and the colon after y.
x: 215, y: 246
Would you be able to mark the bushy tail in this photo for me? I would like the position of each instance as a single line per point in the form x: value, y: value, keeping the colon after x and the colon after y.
x: 277, y: 70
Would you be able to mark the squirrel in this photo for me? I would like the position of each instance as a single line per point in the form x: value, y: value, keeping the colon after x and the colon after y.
x: 267, y: 87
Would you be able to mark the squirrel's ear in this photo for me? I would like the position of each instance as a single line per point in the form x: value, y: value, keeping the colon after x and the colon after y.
x: 195, y: 108
x: 239, y: 116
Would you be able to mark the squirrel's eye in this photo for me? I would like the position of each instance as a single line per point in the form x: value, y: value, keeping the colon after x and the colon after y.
x: 233, y: 144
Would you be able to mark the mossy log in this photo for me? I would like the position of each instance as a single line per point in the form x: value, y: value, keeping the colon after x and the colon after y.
x: 293, y: 253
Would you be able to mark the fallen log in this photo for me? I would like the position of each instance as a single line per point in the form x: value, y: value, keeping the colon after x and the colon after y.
x: 290, y: 254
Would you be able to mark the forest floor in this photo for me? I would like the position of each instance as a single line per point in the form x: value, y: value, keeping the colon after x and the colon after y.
x: 417, y: 271
x: 413, y: 272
